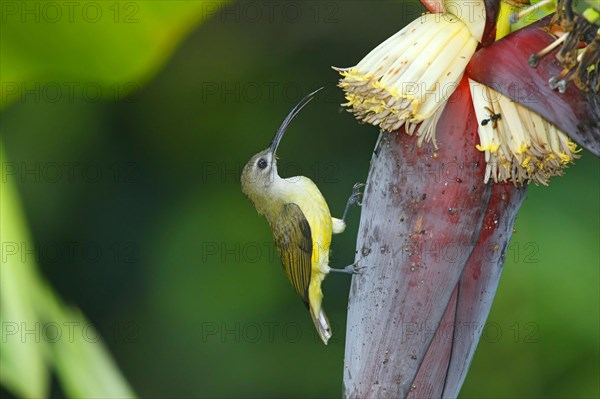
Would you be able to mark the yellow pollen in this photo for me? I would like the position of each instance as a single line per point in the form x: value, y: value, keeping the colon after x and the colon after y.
x: 490, y: 147
x: 523, y: 148
x: 573, y: 147
x: 564, y: 158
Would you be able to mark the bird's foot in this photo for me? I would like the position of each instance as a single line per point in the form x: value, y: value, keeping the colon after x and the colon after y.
x: 355, y: 199
x: 357, y: 194
x: 350, y: 269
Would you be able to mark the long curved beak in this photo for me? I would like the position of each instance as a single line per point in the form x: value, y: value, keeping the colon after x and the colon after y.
x: 288, y: 119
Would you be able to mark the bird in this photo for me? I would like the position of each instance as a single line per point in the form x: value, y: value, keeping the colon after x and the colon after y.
x: 300, y: 220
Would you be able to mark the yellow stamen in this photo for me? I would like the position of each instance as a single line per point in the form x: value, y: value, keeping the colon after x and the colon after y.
x: 527, y: 148
x: 405, y: 81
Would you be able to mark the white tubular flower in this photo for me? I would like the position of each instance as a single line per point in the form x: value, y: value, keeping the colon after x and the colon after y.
x: 408, y: 79
x: 519, y: 145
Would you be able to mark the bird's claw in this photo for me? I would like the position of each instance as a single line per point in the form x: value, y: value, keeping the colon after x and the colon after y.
x: 354, y: 269
x: 355, y: 199
x: 357, y: 194
x: 350, y: 269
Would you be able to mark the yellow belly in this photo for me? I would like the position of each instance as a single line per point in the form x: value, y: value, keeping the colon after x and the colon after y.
x: 315, y: 209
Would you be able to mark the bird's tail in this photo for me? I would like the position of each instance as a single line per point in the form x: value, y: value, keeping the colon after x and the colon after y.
x: 322, y: 324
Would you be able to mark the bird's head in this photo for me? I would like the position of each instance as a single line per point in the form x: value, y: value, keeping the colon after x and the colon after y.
x: 260, y: 173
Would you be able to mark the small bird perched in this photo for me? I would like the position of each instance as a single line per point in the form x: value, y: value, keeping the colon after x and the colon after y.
x: 300, y: 220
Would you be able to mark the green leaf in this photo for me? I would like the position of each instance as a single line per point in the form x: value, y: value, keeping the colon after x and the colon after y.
x: 98, y: 49
x: 22, y: 361
x: 39, y: 332
x: 80, y: 358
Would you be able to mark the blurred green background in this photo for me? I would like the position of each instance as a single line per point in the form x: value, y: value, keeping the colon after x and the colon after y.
x: 133, y: 204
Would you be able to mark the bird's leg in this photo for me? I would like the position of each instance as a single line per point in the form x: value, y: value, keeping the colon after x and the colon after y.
x: 350, y: 269
x: 354, y: 199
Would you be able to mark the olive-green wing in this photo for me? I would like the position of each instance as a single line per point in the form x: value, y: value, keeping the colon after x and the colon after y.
x: 294, y: 243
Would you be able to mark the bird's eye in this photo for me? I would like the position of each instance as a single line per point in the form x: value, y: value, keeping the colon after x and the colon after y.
x: 262, y: 163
